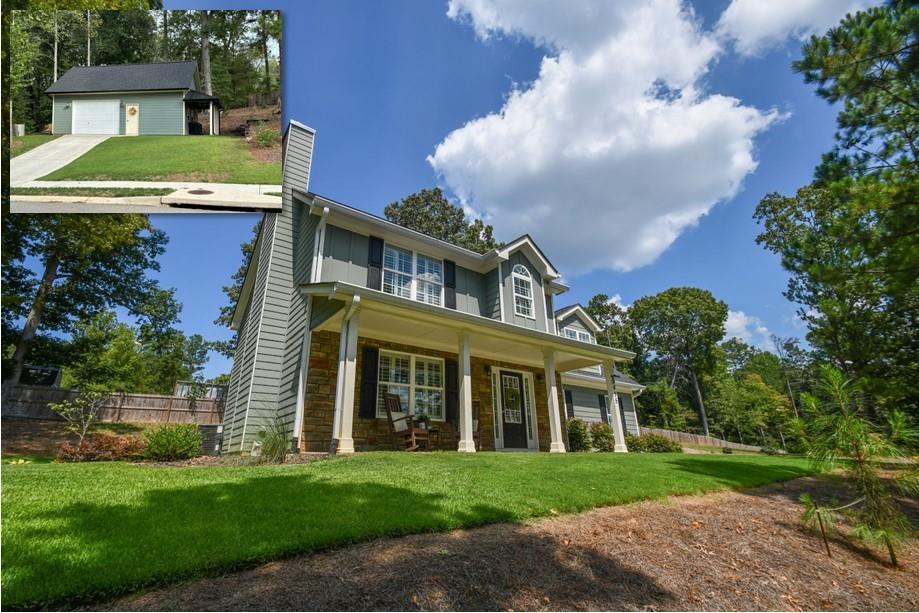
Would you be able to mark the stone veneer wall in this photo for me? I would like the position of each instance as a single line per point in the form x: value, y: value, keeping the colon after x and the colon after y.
x: 373, y: 434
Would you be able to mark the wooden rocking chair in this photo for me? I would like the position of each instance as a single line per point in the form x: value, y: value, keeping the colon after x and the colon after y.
x: 405, y: 435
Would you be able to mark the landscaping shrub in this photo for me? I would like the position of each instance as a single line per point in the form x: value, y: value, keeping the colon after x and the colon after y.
x: 727, y: 450
x: 102, y: 448
x: 601, y: 436
x: 769, y: 450
x: 172, y: 442
x: 652, y: 443
x: 266, y: 137
x: 275, y: 443
x: 578, y: 436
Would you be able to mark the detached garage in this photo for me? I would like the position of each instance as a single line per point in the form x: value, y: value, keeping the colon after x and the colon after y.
x: 133, y: 99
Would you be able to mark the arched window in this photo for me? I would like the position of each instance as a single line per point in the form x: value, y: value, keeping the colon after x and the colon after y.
x: 523, y: 291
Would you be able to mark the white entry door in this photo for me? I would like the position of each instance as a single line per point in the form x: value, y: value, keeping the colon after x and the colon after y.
x: 96, y: 116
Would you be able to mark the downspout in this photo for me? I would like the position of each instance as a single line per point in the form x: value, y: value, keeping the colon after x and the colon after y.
x: 340, y: 379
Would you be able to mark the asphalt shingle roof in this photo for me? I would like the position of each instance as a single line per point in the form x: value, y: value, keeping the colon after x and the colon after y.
x: 126, y: 77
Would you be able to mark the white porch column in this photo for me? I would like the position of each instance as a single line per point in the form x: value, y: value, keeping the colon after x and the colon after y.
x: 210, y: 119
x: 467, y: 440
x: 342, y: 442
x: 609, y: 370
x: 555, y: 422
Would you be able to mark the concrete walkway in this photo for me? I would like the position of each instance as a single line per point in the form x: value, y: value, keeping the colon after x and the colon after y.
x: 249, y: 188
x: 49, y: 157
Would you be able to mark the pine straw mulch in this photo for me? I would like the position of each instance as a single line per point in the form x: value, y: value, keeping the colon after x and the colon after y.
x: 722, y: 551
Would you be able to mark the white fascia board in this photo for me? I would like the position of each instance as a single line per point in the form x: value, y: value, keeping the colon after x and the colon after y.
x: 584, y: 315
x: 245, y: 293
x: 526, y: 243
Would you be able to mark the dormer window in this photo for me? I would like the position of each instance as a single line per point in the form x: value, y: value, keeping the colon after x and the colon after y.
x: 412, y: 275
x: 579, y: 335
x: 523, y: 291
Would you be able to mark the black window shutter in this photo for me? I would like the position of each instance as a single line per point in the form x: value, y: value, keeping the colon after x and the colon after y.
x: 569, y: 404
x: 550, y: 312
x: 603, y: 413
x: 451, y: 380
x: 449, y: 284
x: 369, y: 373
x: 375, y: 264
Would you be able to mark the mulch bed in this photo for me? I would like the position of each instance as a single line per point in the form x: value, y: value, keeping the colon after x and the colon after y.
x: 723, y: 551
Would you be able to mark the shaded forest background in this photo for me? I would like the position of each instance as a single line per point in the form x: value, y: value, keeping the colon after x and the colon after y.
x: 238, y: 52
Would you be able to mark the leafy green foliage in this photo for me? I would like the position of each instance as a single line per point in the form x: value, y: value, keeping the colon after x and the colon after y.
x: 660, y: 406
x: 275, y: 442
x: 102, y: 448
x: 841, y: 437
x: 171, y: 442
x: 266, y: 137
x: 578, y: 435
x: 233, y: 291
x: 81, y: 412
x: 429, y: 212
x: 601, y: 436
x: 651, y: 443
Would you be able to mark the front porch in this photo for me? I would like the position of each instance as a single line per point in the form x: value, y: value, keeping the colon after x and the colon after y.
x: 481, y: 381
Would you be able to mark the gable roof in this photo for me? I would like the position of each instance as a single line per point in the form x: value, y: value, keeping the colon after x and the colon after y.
x: 126, y: 77
x: 582, y: 314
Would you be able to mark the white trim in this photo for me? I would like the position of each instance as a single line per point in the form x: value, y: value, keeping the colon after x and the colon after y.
x: 547, y: 270
x: 411, y: 385
x: 319, y: 246
x: 501, y: 289
x: 130, y: 92
x: 582, y: 312
x: 528, y: 278
x: 184, y: 119
x: 305, y: 348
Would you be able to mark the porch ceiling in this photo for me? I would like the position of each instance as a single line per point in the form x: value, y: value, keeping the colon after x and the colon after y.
x: 397, y: 320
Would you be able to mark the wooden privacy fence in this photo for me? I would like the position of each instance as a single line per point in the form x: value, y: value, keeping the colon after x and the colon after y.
x: 697, y: 439
x: 31, y: 402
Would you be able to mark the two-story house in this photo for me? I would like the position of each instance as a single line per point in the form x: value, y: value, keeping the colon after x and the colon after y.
x: 339, y: 307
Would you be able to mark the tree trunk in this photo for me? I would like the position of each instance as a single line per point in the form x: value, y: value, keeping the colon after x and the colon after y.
x: 206, y: 53
x: 265, y: 54
x: 88, y: 39
x: 762, y: 435
x: 35, y: 316
x: 782, y: 437
x: 695, y: 384
x: 791, y: 396
x: 55, y: 45
x: 165, y: 52
x: 673, y: 377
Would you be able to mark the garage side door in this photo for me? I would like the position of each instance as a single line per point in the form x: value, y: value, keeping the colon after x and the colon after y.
x: 96, y: 116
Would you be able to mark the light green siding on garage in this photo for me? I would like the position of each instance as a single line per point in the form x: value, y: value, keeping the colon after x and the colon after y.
x: 160, y: 112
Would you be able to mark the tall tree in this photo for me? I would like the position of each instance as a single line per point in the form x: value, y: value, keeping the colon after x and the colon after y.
x: 851, y: 239
x: 429, y: 212
x: 206, y: 52
x: 682, y: 325
x: 88, y: 263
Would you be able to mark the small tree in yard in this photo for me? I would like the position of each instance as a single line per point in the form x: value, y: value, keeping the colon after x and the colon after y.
x: 81, y: 412
x: 841, y: 437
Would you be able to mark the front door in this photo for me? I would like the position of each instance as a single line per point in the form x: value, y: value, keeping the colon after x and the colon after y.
x: 132, y: 119
x: 514, y: 413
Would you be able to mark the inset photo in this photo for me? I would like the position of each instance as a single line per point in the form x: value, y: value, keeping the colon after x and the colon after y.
x: 145, y: 111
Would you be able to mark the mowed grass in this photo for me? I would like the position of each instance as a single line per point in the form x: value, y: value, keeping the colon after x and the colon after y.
x: 21, y: 144
x: 81, y: 532
x: 218, y: 159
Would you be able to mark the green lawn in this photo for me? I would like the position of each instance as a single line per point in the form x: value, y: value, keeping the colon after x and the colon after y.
x: 220, y: 159
x: 98, y: 192
x: 21, y: 144
x: 80, y: 532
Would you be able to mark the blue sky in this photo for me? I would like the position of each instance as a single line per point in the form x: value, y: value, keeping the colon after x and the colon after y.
x: 384, y: 83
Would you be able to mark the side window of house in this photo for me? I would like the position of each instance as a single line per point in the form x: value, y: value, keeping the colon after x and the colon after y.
x: 417, y: 380
x: 407, y: 274
x: 580, y: 335
x: 523, y: 291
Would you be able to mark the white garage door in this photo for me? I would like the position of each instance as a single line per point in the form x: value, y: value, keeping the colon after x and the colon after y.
x: 95, y: 116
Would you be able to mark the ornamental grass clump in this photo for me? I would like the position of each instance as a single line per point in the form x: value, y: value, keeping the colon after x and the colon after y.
x: 275, y: 443
x: 172, y: 442
x: 842, y: 437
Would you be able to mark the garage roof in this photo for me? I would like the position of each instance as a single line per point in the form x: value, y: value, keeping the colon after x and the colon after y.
x: 126, y: 77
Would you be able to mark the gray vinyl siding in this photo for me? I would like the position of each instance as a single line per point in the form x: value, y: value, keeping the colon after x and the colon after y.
x: 270, y: 340
x: 587, y: 406
x: 160, y: 112
x: 345, y: 256
x: 323, y: 309
x: 573, y: 322
x: 539, y: 303
x: 629, y: 415
x: 491, y: 306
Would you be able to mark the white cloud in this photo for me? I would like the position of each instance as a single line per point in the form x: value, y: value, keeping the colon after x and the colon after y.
x: 617, y: 300
x: 614, y: 150
x: 757, y: 25
x: 749, y: 329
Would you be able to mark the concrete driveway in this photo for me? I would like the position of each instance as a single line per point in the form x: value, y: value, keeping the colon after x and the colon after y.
x: 49, y: 157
